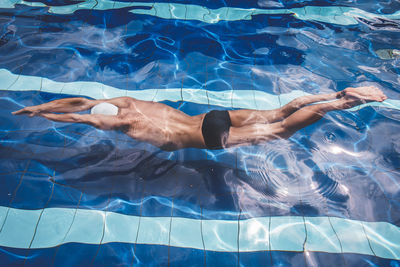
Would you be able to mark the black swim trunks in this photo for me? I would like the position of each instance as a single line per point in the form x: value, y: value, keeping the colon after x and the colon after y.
x: 215, y: 128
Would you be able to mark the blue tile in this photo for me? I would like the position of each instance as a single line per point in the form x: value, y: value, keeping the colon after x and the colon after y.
x: 64, y: 197
x: 368, y: 261
x: 33, y: 193
x: 258, y: 258
x: 186, y: 256
x: 12, y: 256
x: 156, y: 206
x: 145, y: 255
x: 281, y: 258
x: 326, y: 259
x: 9, y: 184
x: 40, y: 257
x: 115, y: 254
x: 83, y: 254
x: 221, y: 259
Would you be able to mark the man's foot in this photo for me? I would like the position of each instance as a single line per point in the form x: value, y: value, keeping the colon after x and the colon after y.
x: 364, y: 94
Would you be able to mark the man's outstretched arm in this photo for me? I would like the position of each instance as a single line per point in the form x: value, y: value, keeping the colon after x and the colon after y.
x: 74, y: 104
x: 103, y: 122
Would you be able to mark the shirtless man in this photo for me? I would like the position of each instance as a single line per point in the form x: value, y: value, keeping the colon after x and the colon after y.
x: 171, y: 129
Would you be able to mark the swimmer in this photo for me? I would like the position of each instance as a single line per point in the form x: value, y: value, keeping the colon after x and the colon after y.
x: 171, y: 129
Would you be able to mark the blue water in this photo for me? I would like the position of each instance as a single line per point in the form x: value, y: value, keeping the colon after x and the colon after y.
x: 339, y: 173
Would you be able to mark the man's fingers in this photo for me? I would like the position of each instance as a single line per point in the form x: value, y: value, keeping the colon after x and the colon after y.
x: 22, y: 111
x: 19, y: 112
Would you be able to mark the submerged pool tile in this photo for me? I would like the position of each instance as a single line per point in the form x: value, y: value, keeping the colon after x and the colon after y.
x: 369, y: 260
x: 64, y: 197
x: 49, y: 86
x: 187, y: 207
x: 80, y: 88
x: 154, y: 230
x: 3, y: 214
x: 89, y: 222
x: 12, y: 256
x: 287, y: 258
x: 287, y: 233
x: 111, y: 92
x: 320, y: 235
x: 186, y: 233
x: 69, y: 88
x: 33, y: 192
x: 53, y: 227
x: 156, y: 206
x: 220, y: 235
x: 193, y: 95
x: 11, y: 166
x: 19, y: 228
x: 8, y: 184
x: 148, y: 94
x: 94, y: 202
x: 351, y: 235
x: 25, y: 83
x: 147, y: 255
x: 120, y: 228
x: 7, y: 79
x: 257, y: 258
x: 39, y: 257
x: 254, y: 234
x: 217, y: 258
x: 167, y: 94
x: 46, y: 140
x: 114, y: 254
x: 75, y: 254
x: 186, y: 257
x: 324, y: 259
x: 384, y: 239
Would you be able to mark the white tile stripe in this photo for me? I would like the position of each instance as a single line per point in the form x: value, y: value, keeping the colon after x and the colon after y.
x: 286, y: 233
x: 236, y: 99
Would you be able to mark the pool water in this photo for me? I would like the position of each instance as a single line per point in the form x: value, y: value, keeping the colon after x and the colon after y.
x: 73, y: 195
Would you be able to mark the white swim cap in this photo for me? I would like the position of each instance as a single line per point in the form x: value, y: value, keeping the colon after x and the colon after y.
x: 104, y: 109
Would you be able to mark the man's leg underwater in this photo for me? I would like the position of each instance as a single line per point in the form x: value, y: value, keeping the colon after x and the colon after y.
x: 351, y: 97
x: 257, y: 133
x: 244, y: 117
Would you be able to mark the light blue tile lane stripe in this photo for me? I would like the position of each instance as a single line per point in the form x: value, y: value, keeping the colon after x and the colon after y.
x: 250, y: 99
x: 287, y: 233
x: 352, y: 236
x: 186, y: 232
x: 319, y: 231
x: 154, y: 231
x: 3, y: 214
x: 328, y: 14
x: 91, y: 221
x: 114, y: 231
x: 220, y: 235
x: 254, y: 233
x: 61, y: 219
x: 19, y: 228
x: 384, y: 239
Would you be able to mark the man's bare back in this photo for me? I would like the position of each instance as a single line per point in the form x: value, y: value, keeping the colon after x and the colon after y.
x: 171, y: 129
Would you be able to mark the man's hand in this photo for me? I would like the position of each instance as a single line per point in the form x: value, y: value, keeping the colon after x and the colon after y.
x: 30, y: 111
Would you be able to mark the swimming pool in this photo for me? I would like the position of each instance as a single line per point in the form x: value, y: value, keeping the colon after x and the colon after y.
x: 74, y: 195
